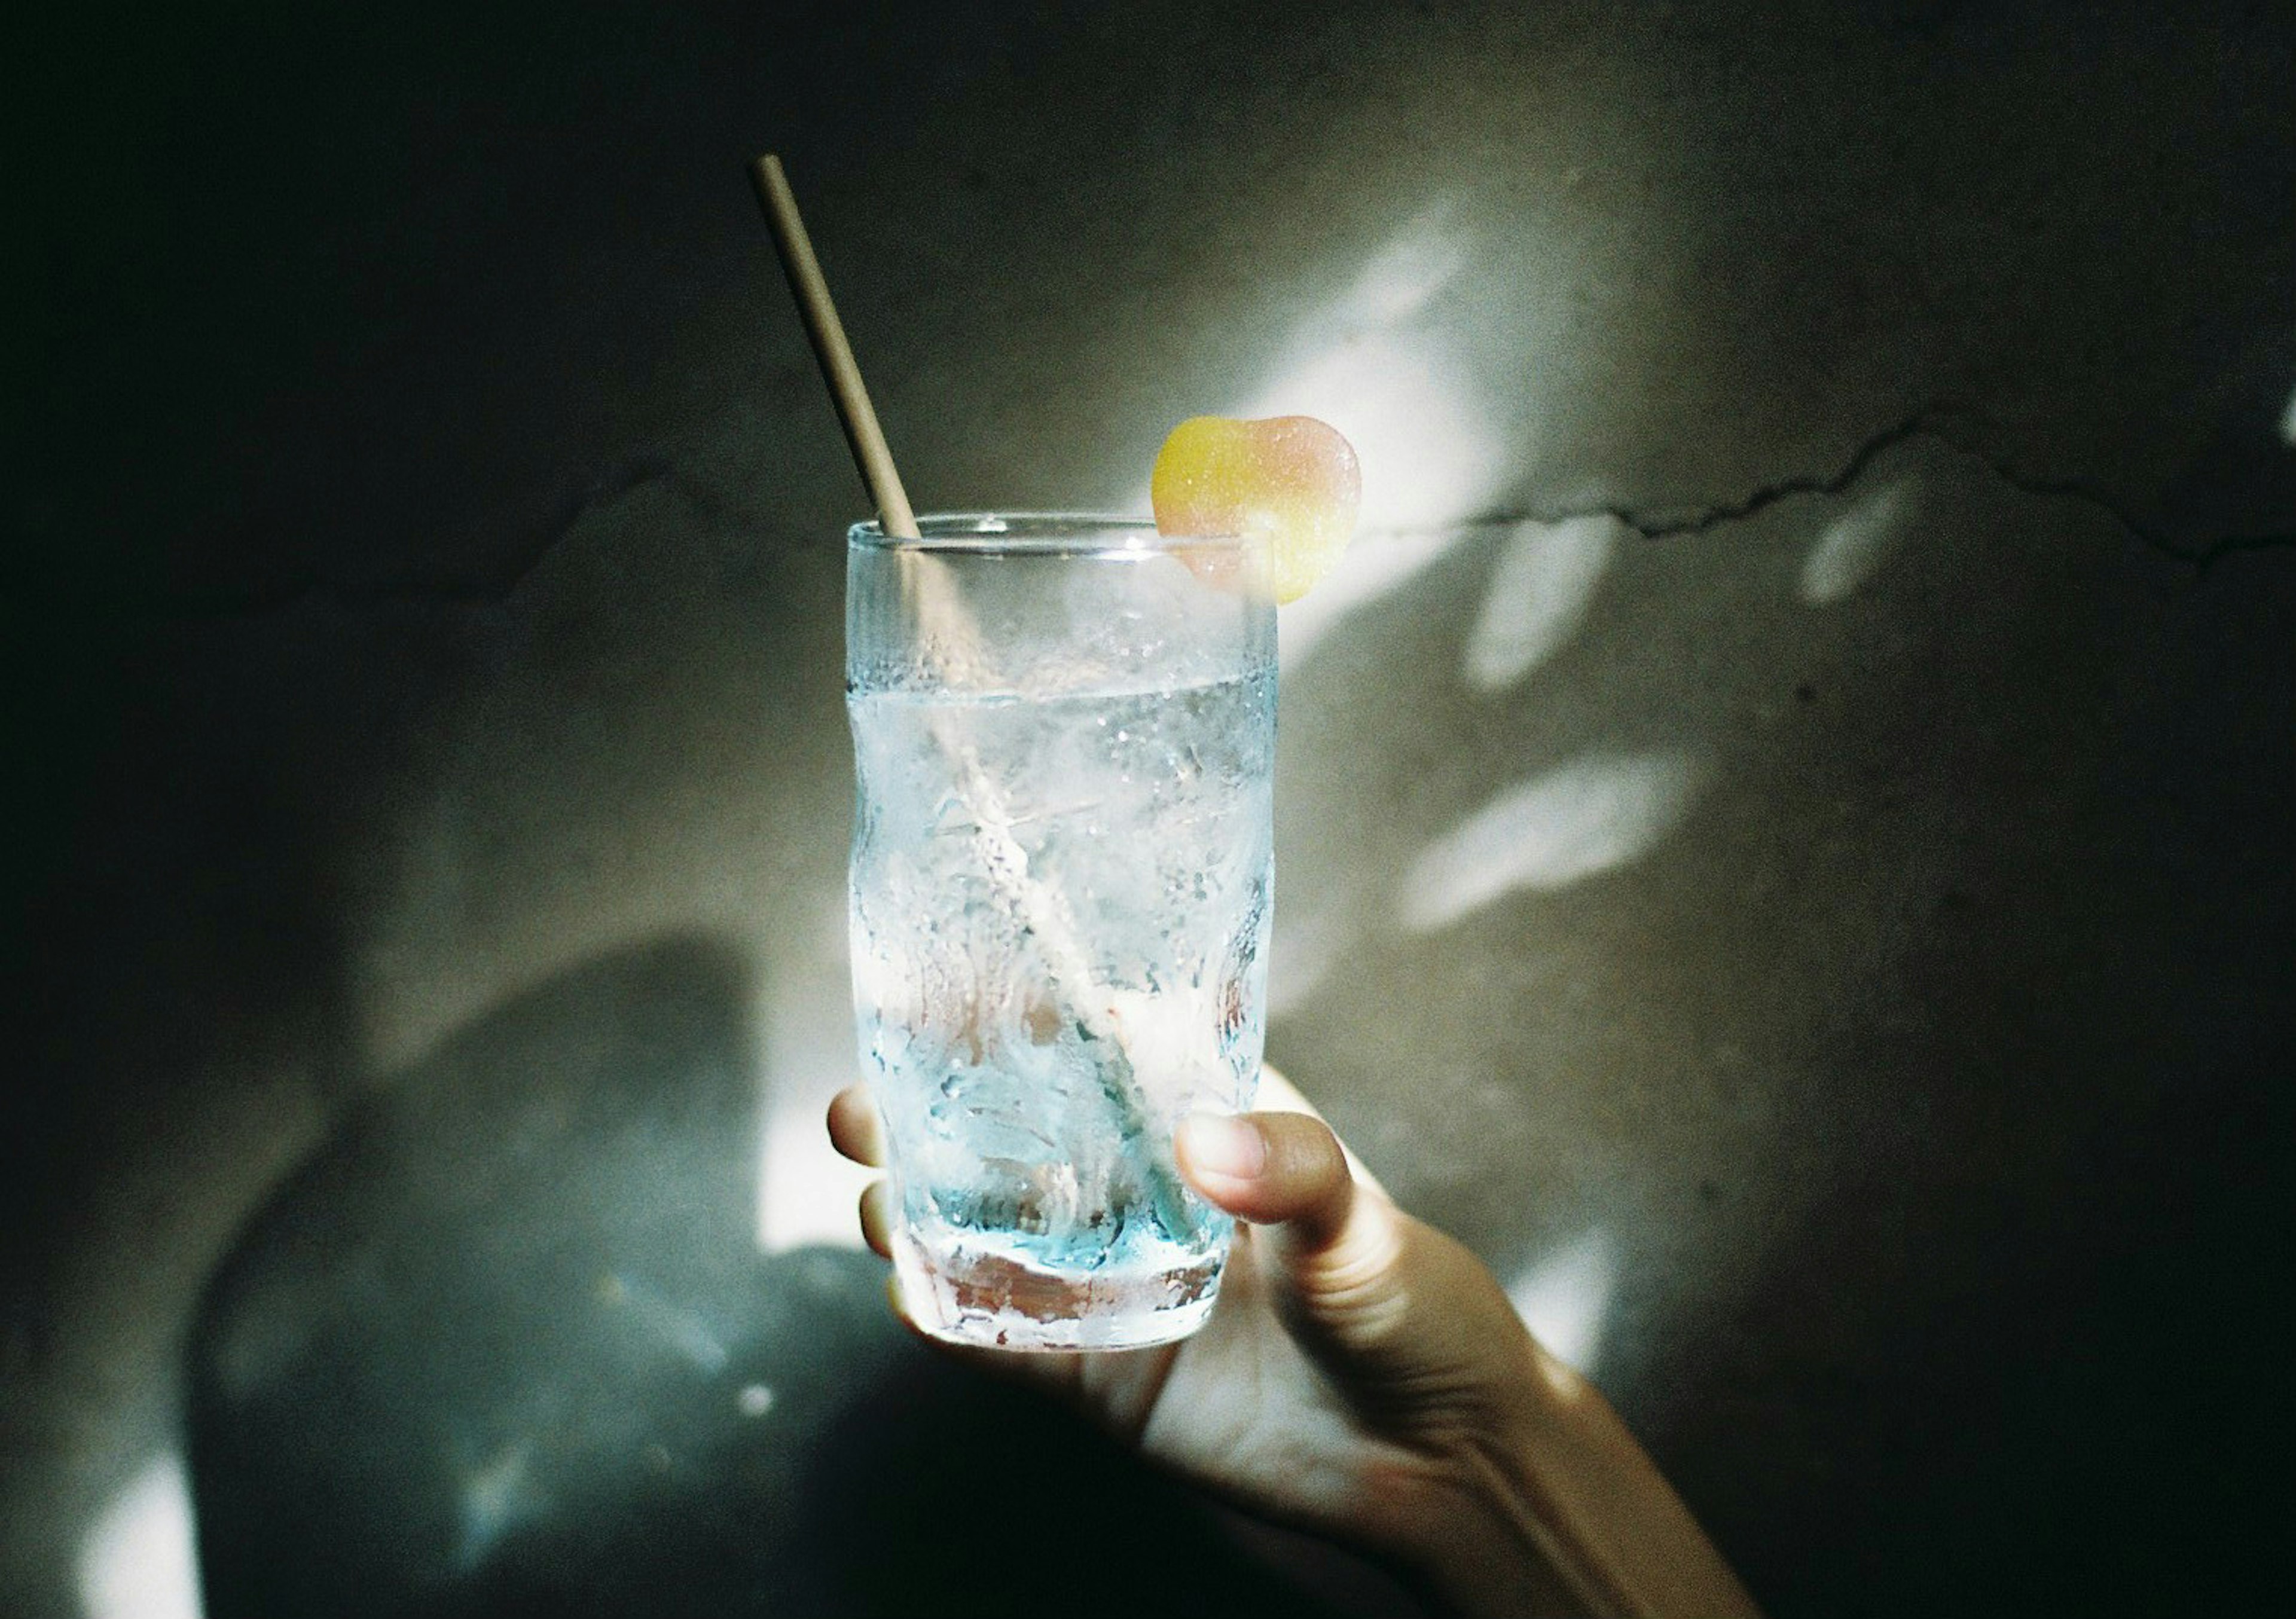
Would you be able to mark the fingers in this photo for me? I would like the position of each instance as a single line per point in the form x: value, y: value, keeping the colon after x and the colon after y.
x: 1334, y: 1227
x: 877, y: 1218
x: 855, y: 1131
x: 854, y: 1128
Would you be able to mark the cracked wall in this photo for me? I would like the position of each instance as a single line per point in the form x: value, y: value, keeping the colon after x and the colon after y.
x: 1782, y: 818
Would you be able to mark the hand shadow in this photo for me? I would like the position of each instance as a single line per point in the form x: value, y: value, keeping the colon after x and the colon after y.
x: 507, y: 1345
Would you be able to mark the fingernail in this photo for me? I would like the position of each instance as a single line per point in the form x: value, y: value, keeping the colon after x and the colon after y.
x: 1219, y: 1145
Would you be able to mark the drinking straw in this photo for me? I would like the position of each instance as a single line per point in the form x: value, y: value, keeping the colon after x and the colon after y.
x: 1006, y: 861
x: 827, y: 333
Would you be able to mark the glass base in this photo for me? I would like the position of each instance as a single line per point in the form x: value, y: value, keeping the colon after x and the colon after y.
x: 991, y: 1301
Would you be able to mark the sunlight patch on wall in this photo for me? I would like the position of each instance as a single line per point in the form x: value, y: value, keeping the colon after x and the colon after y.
x: 1564, y: 1298
x: 492, y: 1498
x: 1400, y: 280
x: 1376, y: 364
x: 1575, y: 821
x: 1852, y: 549
x: 1539, y: 591
x: 665, y: 1322
x: 1425, y: 460
x: 805, y: 1193
x: 140, y: 1560
x: 1368, y: 364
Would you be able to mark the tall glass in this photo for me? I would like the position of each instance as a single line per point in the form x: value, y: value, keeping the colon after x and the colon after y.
x: 1064, y: 733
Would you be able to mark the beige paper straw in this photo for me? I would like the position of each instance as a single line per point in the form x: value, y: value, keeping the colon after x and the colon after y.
x: 827, y: 332
x: 1093, y: 1005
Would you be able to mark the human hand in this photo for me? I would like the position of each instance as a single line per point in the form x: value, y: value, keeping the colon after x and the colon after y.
x: 1364, y: 1378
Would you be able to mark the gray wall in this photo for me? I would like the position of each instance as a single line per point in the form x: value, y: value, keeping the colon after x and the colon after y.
x: 1783, y: 816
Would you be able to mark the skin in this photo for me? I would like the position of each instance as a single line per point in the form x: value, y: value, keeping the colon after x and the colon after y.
x: 1364, y: 1378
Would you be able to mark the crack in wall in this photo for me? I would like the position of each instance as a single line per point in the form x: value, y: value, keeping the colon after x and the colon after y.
x: 493, y: 585
x: 1928, y: 423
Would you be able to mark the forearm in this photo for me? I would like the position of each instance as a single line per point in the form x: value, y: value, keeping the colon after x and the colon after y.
x: 1559, y: 1510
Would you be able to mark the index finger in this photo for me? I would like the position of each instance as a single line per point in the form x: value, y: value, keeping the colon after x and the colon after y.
x: 855, y: 1129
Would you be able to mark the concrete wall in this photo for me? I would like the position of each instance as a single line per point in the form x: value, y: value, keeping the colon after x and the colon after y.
x: 1783, y: 816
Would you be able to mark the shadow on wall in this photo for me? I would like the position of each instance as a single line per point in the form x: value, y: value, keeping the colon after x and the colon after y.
x: 507, y: 1345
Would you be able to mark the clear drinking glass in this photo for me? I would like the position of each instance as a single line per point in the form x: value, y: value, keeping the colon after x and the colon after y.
x: 1064, y: 733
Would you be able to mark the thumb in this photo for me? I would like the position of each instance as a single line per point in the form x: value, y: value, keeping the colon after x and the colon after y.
x: 1337, y: 1238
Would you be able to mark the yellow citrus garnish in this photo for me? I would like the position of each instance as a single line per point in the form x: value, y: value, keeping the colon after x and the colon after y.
x: 1289, y: 480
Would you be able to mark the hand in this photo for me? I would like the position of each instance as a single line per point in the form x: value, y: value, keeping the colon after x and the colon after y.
x: 1364, y: 1378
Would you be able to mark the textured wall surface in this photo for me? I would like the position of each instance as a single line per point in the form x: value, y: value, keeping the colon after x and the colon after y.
x: 1783, y: 815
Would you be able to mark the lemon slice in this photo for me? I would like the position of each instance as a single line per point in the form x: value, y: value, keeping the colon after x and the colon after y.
x: 1289, y: 480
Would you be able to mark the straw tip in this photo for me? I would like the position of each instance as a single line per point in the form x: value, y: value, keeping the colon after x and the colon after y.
x: 773, y: 188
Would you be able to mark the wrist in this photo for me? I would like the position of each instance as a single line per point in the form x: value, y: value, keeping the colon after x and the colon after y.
x: 1557, y: 1509
x: 1477, y: 1535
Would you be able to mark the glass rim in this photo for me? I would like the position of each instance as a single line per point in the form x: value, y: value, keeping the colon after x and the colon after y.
x: 1035, y: 534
